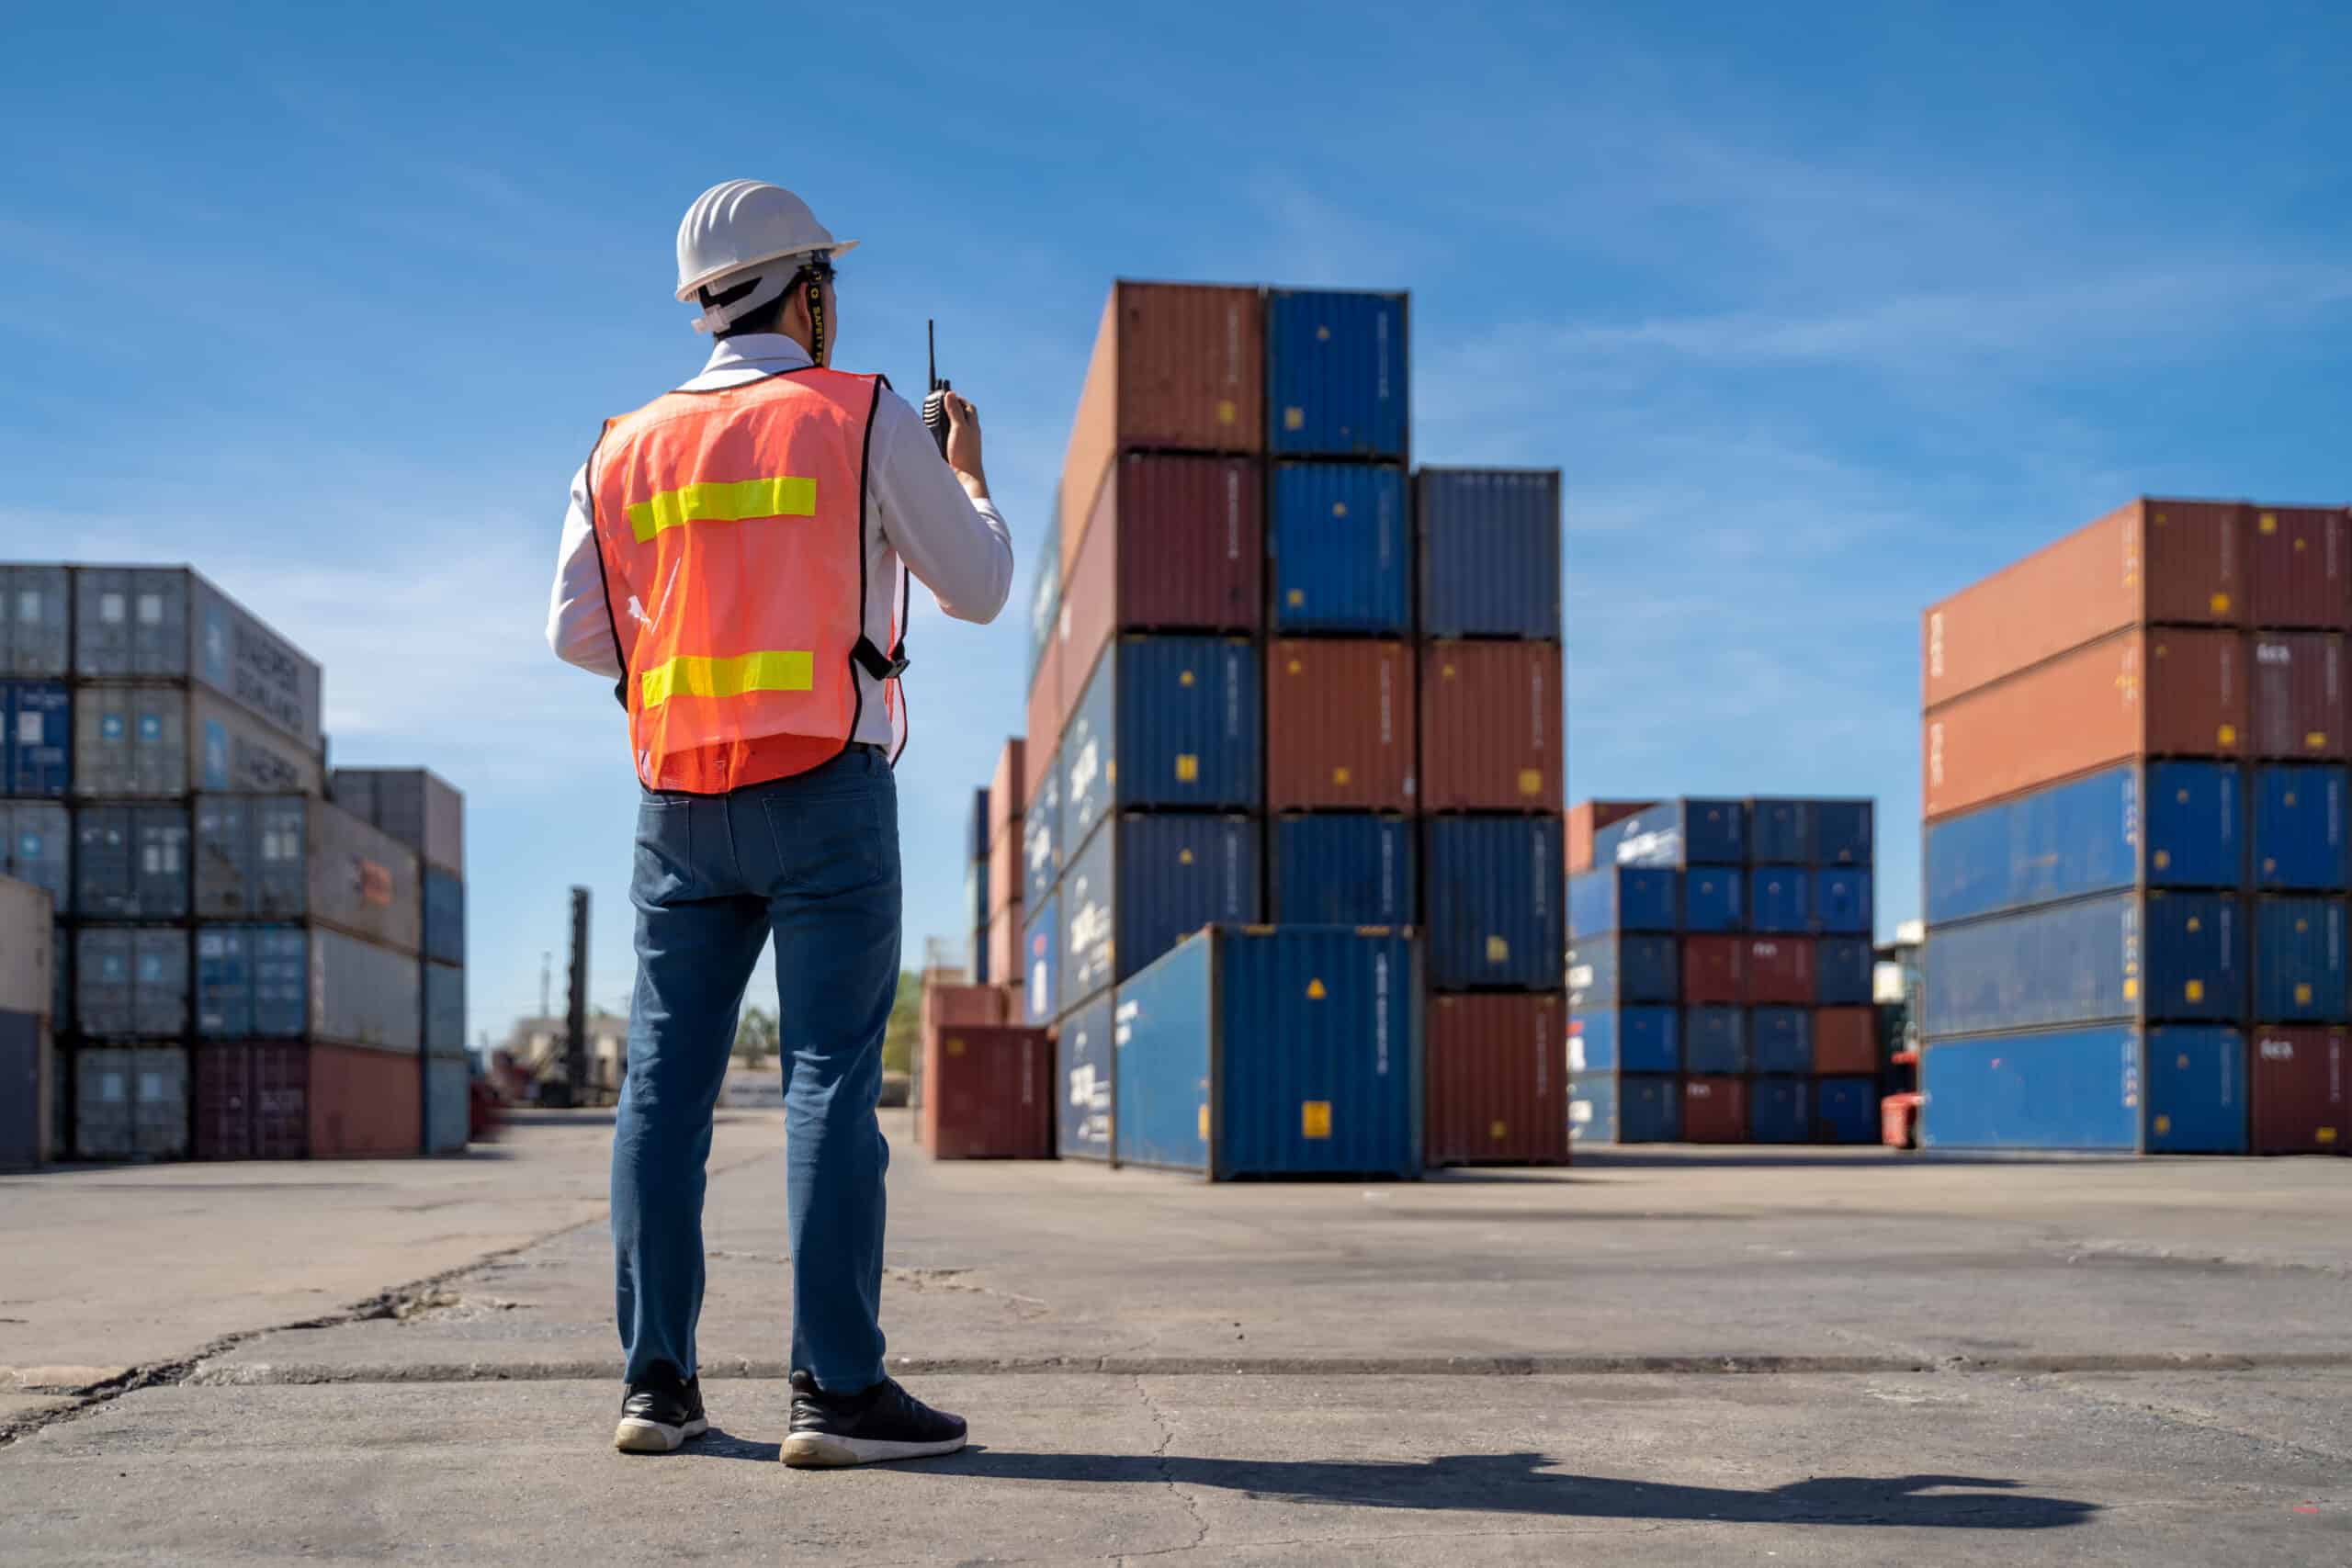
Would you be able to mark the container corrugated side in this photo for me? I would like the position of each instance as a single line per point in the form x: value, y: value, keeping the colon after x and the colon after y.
x: 1041, y: 964
x: 365, y: 996
x: 2112, y: 1088
x: 1592, y: 1109
x: 130, y: 981
x: 251, y: 981
x: 2178, y: 957
x: 239, y: 657
x: 2299, y: 812
x: 1007, y: 928
x: 1083, y: 1078
x: 1174, y: 543
x: 1339, y: 547
x: 28, y: 930
x: 1779, y: 900
x: 1714, y: 1039
x: 1622, y: 968
x: 1488, y: 542
x: 415, y: 806
x: 975, y: 829
x: 1714, y: 1110
x: 1713, y: 897
x: 1008, y: 868
x: 1336, y: 382
x: 1166, y: 722
x: 1843, y: 971
x: 1044, y: 716
x: 252, y: 1100
x: 362, y: 880
x: 1496, y: 1094
x: 448, y: 1108
x: 987, y: 1093
x: 37, y: 846
x: 1844, y: 832
x: 1041, y: 838
x: 1340, y: 734
x: 1628, y: 898
x: 2299, y: 961
x: 2299, y: 567
x: 130, y: 1103
x: 1845, y: 1110
x: 134, y: 741
x: 2296, y: 706
x: 130, y: 862
x: 445, y: 1010
x: 1493, y: 734
x: 36, y: 622
x: 1780, y: 831
x: 365, y: 1104
x: 1780, y: 1110
x: 444, y: 917
x: 1683, y: 832
x: 1143, y: 882
x: 1624, y: 1107
x: 1495, y: 919
x: 1585, y: 819
x: 2302, y: 1103
x: 36, y: 739
x: 131, y: 623
x: 1632, y: 1038
x: 1343, y: 868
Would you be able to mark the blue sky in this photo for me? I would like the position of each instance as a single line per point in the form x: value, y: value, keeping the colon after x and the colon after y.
x: 1824, y: 311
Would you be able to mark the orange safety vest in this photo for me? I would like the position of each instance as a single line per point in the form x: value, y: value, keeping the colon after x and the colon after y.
x: 730, y: 526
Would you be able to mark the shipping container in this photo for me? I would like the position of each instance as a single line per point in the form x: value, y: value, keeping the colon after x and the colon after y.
x: 1630, y: 1039
x: 1779, y: 900
x: 1174, y: 544
x: 1776, y: 970
x: 131, y: 983
x: 1714, y: 1111
x: 415, y: 806
x: 976, y: 833
x: 1780, y: 831
x: 1336, y: 381
x: 1045, y: 618
x: 2299, y: 1097
x: 2299, y: 961
x: 365, y: 996
x: 1630, y: 1108
x: 1585, y: 819
x: 1082, y: 1077
x: 988, y: 1094
x: 27, y: 1089
x: 1008, y: 868
x: 1780, y: 1039
x: 1627, y: 900
x: 2176, y: 562
x: 1041, y: 838
x: 1619, y: 970
x: 2166, y: 692
x: 2297, y: 702
x: 1713, y: 897
x: 448, y: 1105
x: 37, y: 846
x: 1141, y: 884
x: 1493, y: 734
x: 1177, y: 367
x: 36, y: 739
x: 1845, y: 1110
x: 1338, y: 549
x: 1844, y: 968
x: 289, y: 858
x: 1844, y: 832
x: 1006, y: 792
x: 170, y: 624
x: 365, y: 1104
x: 130, y: 1103
x: 2299, y: 827
x: 130, y: 862
x: 1489, y: 552
x: 975, y: 898
x: 1780, y: 1110
x: 1841, y: 901
x: 2111, y: 1088
x: 445, y: 1010
x: 252, y: 1101
x: 444, y: 917
x: 1592, y: 1109
x: 146, y: 741
x: 1714, y: 1039
x: 1007, y: 929
x: 1041, y: 964
x: 1675, y: 832
x: 1340, y: 726
x: 35, y: 630
x: 963, y: 1007
x: 1275, y: 1051
x: 1166, y: 722
x: 1496, y: 1088
x: 1495, y: 897
x: 1343, y: 868
x: 980, y: 970
x: 1844, y: 1040
x: 252, y: 982
x: 1047, y: 712
x: 28, y: 935
x: 2176, y: 957
x: 1714, y: 970
x: 2296, y: 557
x: 2177, y: 825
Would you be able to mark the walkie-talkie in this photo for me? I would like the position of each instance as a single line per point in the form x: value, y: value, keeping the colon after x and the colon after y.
x: 934, y: 406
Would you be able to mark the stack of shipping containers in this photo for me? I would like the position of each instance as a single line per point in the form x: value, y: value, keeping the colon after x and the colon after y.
x: 977, y: 893
x: 2135, y: 858
x: 1719, y: 971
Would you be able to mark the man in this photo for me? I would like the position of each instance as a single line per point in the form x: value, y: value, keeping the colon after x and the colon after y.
x: 736, y: 556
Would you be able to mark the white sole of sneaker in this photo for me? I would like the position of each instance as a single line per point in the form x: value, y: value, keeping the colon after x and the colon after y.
x: 818, y: 1451
x: 636, y: 1435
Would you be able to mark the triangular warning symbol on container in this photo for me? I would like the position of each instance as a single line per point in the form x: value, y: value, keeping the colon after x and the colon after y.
x: 1314, y: 991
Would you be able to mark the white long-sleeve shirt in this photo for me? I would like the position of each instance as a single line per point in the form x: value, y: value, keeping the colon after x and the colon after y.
x: 916, y: 515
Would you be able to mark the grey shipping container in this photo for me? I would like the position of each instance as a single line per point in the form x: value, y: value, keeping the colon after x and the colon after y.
x: 27, y: 1063
x: 130, y: 862
x: 130, y: 1103
x: 445, y: 914
x: 364, y: 995
x: 35, y: 642
x: 415, y: 806
x: 251, y: 981
x: 168, y: 740
x: 131, y: 983
x: 37, y: 846
x: 445, y: 1010
x: 288, y: 858
x: 28, y: 927
x: 167, y: 623
x: 448, y: 1105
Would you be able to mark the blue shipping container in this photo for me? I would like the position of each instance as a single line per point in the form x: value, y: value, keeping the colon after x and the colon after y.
x: 1344, y: 868
x: 1274, y: 1051
x: 1490, y: 548
x: 1045, y: 601
x: 1712, y: 898
x: 2298, y: 828
x: 1844, y: 832
x: 1632, y: 899
x: 1592, y: 1109
x: 2299, y: 962
x: 1845, y: 1111
x: 1843, y: 968
x: 1625, y: 1039
x: 1780, y: 1039
x: 1144, y: 883
x: 444, y: 1011
x: 1495, y: 920
x: 1714, y: 1039
x: 252, y: 982
x: 1337, y: 541
x: 1041, y: 950
x: 1780, y: 1110
x: 2113, y: 1088
x: 1041, y: 836
x: 1619, y: 970
x: 444, y: 917
x: 1166, y: 721
x: 2178, y: 957
x: 1841, y: 901
x: 1780, y: 831
x: 1679, y: 833
x: 976, y: 843
x: 1335, y: 374
x: 1779, y: 900
x: 36, y: 739
x: 1624, y: 1107
x: 2170, y: 824
x: 1082, y: 1074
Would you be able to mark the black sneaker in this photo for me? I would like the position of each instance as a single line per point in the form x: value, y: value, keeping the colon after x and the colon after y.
x: 659, y: 1412
x: 833, y: 1430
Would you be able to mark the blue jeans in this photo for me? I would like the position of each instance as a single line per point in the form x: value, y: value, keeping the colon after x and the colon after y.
x: 813, y: 860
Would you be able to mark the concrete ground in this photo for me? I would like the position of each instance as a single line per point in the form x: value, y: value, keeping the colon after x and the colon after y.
x: 1804, y: 1357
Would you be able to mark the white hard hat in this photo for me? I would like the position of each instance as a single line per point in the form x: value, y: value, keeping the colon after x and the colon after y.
x: 732, y: 233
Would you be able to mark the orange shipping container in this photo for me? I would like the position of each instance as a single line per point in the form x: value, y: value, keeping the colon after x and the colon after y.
x: 1589, y: 816
x: 1340, y: 726
x: 1491, y: 725
x: 1044, y: 722
x: 988, y: 1094
x: 2299, y: 567
x: 1004, y: 945
x: 2175, y: 562
x: 2164, y: 692
x: 1007, y: 791
x: 365, y: 1104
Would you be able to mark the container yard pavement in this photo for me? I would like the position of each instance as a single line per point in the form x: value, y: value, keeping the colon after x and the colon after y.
x: 1813, y: 1356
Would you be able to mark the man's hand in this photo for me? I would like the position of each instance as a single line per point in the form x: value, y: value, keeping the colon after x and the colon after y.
x: 964, y: 445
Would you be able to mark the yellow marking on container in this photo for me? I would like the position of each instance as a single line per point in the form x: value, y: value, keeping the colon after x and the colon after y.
x: 1315, y: 1119
x: 1530, y: 781
x: 2316, y: 739
x: 2301, y: 925
x: 1297, y: 597
x: 2268, y: 866
x: 2196, y: 993
x: 1382, y: 931
x: 1446, y: 671
x: 2228, y: 735
x: 2182, y: 1061
x: 955, y: 1045
x: 2163, y: 650
x: 1111, y: 771
x: 2326, y: 1135
x: 1205, y: 1123
x: 2131, y: 989
x: 1225, y: 412
x: 2269, y: 524
x: 2194, y: 924
x: 2289, y: 797
x: 1339, y: 508
x: 1322, y: 335
x: 1314, y: 991
x: 2181, y: 796
x: 1298, y: 668
x: 1184, y: 678
x: 1497, y: 949
x: 1497, y: 1131
x: 2303, y: 995
x: 2298, y: 546
x: 2164, y: 1125
x: 1183, y: 857
x: 1188, y: 768
x: 1340, y: 775
x: 1293, y: 419
x: 2161, y: 858
x: 712, y: 501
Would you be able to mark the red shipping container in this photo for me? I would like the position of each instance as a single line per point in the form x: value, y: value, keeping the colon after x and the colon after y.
x: 1004, y: 948
x: 2166, y: 693
x: 1007, y: 870
x: 962, y: 1006
x: 2176, y: 562
x: 987, y: 1093
x: 1044, y: 734
x: 2300, y: 1096
x: 1491, y: 726
x: 2296, y: 708
x: 1714, y: 971
x: 2299, y: 567
x: 1844, y: 1040
x: 1714, y: 1111
x: 1174, y: 543
x: 1497, y: 1080
x: 252, y: 1101
x: 365, y: 1104
x: 1779, y: 970
x: 1176, y: 366
x: 1589, y: 817
x: 1007, y: 791
x: 1340, y: 725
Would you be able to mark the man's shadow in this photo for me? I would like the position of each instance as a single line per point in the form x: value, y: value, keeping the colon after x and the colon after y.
x: 1517, y: 1483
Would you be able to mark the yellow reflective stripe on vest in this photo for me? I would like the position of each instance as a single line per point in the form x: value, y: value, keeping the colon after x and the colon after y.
x: 781, y: 496
x: 689, y: 675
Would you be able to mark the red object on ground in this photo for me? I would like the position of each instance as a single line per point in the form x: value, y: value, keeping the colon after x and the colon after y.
x: 1497, y: 1082
x: 1714, y: 971
x: 1340, y: 725
x: 365, y: 1103
x: 1898, y: 1121
x: 1844, y: 1040
x: 1491, y: 725
x: 987, y: 1093
x: 1779, y: 970
x: 1714, y: 1111
x: 2299, y: 1092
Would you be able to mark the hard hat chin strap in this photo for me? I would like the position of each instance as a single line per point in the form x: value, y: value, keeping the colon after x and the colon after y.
x: 721, y: 308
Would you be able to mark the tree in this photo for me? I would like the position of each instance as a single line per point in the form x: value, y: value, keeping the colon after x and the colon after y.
x: 900, y: 1041
x: 755, y: 1037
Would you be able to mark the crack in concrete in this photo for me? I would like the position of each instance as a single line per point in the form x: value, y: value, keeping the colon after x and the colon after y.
x: 1168, y: 1471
